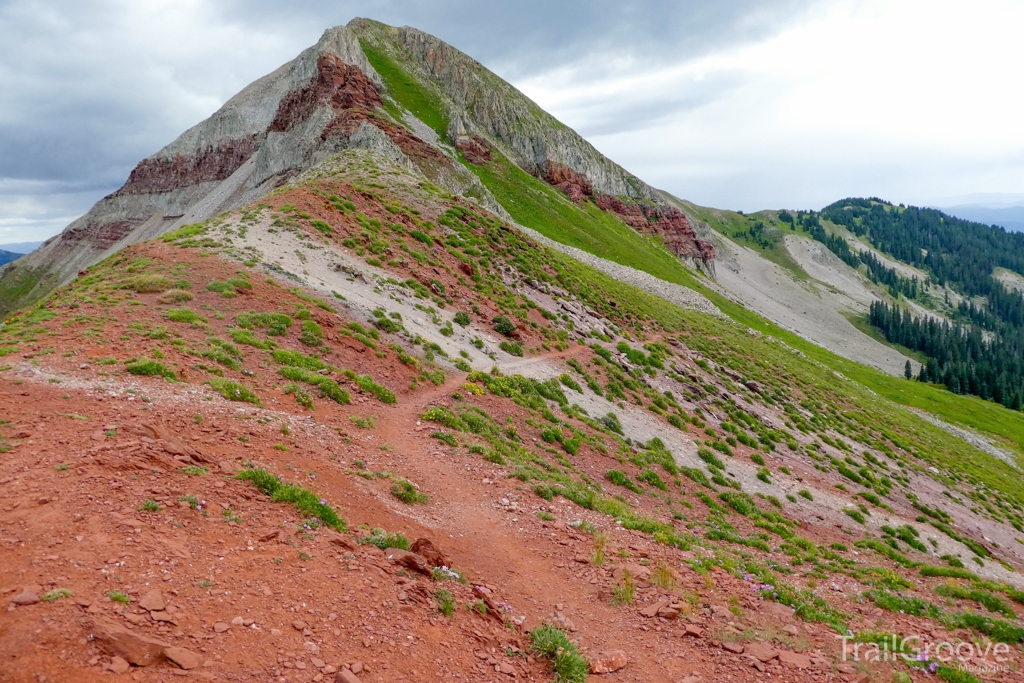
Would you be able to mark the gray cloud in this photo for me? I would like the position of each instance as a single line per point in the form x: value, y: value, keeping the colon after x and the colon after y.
x: 87, y: 89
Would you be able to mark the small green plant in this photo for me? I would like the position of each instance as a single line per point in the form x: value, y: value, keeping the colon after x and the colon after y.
x: 504, y: 326
x: 62, y: 468
x: 384, y: 540
x: 952, y: 572
x: 232, y: 391
x: 445, y: 438
x: 620, y: 479
x: 568, y: 665
x: 512, y: 348
x: 193, y: 471
x: 368, y: 422
x: 446, y: 604
x: 230, y: 516
x: 55, y: 595
x: 184, y: 315
x: 624, y: 590
x: 804, y: 493
x: 406, y: 492
x: 149, y: 505
x: 119, y: 597
x: 305, y: 501
x: 151, y: 368
x: 192, y: 501
x: 855, y: 515
x: 546, y: 516
x: 204, y: 584
x: 462, y: 318
x: 301, y: 397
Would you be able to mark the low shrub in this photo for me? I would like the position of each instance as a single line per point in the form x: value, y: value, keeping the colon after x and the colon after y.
x: 305, y: 501
x: 406, y: 492
x: 568, y: 665
x: 151, y: 368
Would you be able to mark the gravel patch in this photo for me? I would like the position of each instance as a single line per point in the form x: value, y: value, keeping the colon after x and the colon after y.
x: 977, y: 440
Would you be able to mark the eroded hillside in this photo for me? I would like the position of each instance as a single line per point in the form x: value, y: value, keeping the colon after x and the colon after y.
x: 214, y: 442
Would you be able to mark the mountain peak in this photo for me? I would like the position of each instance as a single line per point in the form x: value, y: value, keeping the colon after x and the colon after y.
x: 400, y: 92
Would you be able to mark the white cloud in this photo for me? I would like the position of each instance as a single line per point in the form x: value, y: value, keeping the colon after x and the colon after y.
x: 909, y: 100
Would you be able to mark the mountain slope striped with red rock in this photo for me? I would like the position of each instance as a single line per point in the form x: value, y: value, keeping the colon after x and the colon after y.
x: 329, y: 99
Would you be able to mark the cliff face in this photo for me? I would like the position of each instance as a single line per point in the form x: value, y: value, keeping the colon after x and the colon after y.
x: 485, y: 110
x: 331, y: 98
x: 480, y: 103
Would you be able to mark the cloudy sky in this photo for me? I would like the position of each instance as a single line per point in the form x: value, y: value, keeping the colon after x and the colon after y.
x: 737, y: 104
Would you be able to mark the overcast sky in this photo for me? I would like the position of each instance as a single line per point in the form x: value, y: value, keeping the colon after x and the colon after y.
x: 738, y: 104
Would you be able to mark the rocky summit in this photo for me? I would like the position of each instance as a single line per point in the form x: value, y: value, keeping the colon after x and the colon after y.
x: 381, y: 373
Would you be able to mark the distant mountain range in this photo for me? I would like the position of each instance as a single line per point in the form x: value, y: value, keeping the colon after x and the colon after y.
x: 21, y: 248
x: 15, y: 250
x: 1009, y: 217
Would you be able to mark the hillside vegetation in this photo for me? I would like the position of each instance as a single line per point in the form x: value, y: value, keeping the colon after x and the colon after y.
x: 364, y: 427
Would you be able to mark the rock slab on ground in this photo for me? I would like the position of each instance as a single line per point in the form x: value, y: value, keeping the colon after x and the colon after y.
x: 134, y: 648
x: 186, y: 659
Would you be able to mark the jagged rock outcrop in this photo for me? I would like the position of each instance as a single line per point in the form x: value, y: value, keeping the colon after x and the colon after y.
x: 474, y: 148
x: 485, y: 105
x: 666, y: 222
x: 576, y: 185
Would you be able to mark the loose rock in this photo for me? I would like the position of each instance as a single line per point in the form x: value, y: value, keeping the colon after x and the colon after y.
x: 608, y: 662
x: 409, y: 560
x: 186, y: 659
x: 118, y: 665
x: 153, y: 601
x: 120, y: 641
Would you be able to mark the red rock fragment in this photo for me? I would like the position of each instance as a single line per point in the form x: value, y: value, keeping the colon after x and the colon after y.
x: 409, y: 560
x: 186, y: 659
x: 607, y: 662
x: 122, y: 642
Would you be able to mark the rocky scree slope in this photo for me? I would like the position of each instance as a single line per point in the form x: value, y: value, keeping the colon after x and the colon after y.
x: 331, y: 98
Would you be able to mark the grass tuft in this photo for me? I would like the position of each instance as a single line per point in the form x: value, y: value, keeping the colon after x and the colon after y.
x: 232, y: 391
x: 568, y: 665
x: 384, y: 540
x: 304, y: 500
x: 406, y: 492
x: 151, y: 368
x: 55, y: 595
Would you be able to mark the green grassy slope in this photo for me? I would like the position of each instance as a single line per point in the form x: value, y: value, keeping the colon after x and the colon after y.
x: 537, y: 205
x: 421, y: 102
